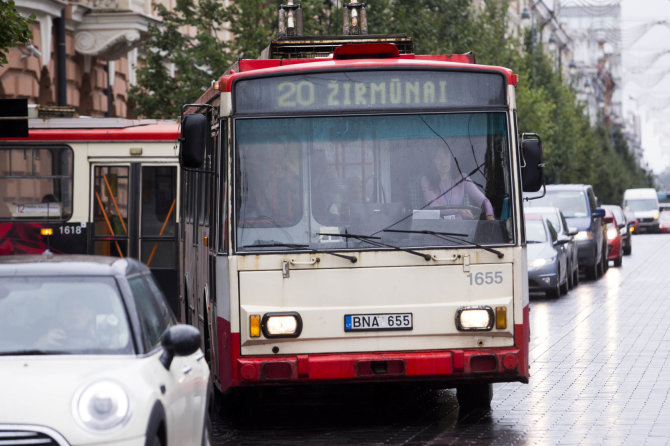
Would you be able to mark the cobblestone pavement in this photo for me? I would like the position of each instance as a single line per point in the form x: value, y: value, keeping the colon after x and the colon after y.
x: 600, y: 374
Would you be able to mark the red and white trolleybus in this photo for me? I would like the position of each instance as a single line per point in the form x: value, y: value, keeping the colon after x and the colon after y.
x: 106, y: 186
x: 323, y: 242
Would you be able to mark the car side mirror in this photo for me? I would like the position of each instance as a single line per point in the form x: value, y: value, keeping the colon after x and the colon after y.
x: 532, y: 167
x: 573, y: 231
x: 599, y: 213
x: 179, y: 340
x: 193, y: 140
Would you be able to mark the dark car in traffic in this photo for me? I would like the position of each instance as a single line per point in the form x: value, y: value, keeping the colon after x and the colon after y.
x: 567, y: 236
x: 547, y: 260
x: 579, y: 205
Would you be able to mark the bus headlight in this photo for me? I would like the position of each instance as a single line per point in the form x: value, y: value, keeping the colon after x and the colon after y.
x: 281, y: 325
x: 475, y: 318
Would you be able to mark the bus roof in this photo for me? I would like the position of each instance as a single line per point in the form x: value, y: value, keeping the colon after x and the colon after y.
x: 100, y: 129
x: 280, y: 66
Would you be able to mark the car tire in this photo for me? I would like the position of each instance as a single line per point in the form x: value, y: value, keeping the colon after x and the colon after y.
x: 207, y: 430
x: 474, y: 396
x: 555, y: 292
x: 627, y: 249
x: 593, y: 270
x: 563, y: 289
x: 571, y: 278
x: 619, y: 260
x: 575, y: 277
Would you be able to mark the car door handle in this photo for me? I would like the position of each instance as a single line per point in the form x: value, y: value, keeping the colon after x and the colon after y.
x: 186, y: 370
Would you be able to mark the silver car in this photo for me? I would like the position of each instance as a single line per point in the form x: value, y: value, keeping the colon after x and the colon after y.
x: 547, y: 260
x: 565, y: 235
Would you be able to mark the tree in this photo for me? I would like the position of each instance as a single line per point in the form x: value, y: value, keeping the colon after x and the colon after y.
x: 14, y: 30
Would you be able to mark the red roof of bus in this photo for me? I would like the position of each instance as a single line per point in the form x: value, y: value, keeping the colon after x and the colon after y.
x: 274, y: 66
x: 99, y: 129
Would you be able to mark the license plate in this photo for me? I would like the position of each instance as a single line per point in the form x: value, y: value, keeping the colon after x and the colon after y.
x: 372, y: 322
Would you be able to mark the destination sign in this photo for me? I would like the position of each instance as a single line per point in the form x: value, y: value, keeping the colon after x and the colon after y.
x: 369, y: 91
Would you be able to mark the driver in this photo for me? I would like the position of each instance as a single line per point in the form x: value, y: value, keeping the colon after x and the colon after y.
x: 77, y: 326
x: 446, y: 186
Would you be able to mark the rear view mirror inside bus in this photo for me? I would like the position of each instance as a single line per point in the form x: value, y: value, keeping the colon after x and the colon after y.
x: 194, y: 134
x: 532, y: 169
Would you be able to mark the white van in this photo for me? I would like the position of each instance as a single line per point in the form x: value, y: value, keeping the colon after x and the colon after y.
x: 644, y: 204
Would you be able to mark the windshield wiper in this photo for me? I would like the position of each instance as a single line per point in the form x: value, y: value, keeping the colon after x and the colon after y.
x: 273, y: 244
x: 450, y: 237
x: 374, y: 241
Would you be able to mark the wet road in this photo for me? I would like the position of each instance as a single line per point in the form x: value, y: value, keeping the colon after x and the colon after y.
x: 600, y: 374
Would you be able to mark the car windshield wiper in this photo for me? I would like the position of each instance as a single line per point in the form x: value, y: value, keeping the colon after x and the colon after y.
x: 450, y: 237
x: 374, y: 241
x: 273, y: 244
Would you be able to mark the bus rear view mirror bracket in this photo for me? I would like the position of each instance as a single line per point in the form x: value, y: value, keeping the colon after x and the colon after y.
x: 532, y: 167
x: 193, y: 140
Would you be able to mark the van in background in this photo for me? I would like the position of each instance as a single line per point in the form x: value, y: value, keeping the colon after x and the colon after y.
x: 644, y: 204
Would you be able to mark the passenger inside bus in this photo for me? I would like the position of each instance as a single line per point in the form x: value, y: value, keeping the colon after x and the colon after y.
x: 444, y: 187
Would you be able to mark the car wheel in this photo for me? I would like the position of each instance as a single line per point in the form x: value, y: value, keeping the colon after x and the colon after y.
x: 555, y: 292
x: 563, y: 289
x: 575, y: 277
x: 619, y: 260
x: 593, y: 270
x: 207, y: 430
x: 474, y: 396
x: 627, y: 249
x: 570, y: 278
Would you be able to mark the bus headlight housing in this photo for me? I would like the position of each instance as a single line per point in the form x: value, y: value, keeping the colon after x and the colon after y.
x: 281, y: 325
x: 479, y: 318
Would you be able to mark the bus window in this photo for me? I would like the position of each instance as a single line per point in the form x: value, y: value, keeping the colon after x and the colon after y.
x: 36, y: 183
x: 158, y: 216
x: 110, y: 211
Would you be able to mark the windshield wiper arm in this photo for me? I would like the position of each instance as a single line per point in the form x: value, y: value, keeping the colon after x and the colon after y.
x: 449, y: 236
x: 374, y: 241
x: 352, y: 259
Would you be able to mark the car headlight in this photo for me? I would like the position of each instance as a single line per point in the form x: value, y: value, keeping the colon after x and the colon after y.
x: 612, y: 233
x: 102, y: 406
x: 281, y: 325
x: 583, y: 235
x: 475, y: 318
x: 536, y: 263
x: 655, y: 216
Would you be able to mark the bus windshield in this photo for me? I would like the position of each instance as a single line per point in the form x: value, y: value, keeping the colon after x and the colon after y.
x: 422, y: 180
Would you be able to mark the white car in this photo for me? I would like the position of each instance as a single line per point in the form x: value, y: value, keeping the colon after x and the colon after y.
x: 90, y: 353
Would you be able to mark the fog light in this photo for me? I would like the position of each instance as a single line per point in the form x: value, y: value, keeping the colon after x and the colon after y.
x: 475, y: 318
x: 281, y: 325
x: 254, y: 326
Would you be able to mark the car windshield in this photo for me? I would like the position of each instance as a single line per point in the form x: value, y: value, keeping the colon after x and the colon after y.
x: 641, y: 205
x: 535, y: 232
x: 300, y: 180
x: 571, y: 203
x: 62, y: 315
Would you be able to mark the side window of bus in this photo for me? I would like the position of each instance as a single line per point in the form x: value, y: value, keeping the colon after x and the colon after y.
x: 36, y: 183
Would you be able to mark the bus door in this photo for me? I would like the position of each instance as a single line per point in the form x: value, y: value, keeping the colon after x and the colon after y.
x: 135, y: 215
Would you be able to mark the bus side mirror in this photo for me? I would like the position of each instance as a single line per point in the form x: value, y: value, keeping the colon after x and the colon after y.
x: 193, y: 140
x: 532, y: 167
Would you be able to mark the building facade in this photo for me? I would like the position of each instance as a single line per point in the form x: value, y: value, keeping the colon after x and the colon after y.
x: 82, y: 56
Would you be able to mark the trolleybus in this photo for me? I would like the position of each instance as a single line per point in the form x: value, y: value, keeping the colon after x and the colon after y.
x: 94, y: 185
x: 322, y: 245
